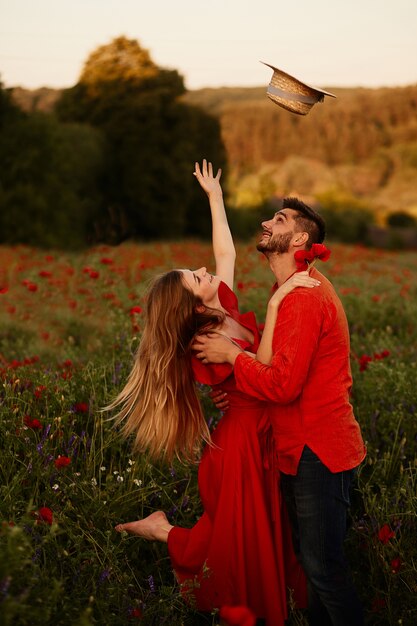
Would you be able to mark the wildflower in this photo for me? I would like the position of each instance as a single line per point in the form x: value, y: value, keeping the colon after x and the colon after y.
x: 363, y: 362
x: 135, y: 309
x: 381, y: 355
x: 120, y: 479
x: 137, y: 482
x: 94, y: 482
x: 151, y: 583
x: 306, y: 258
x: 106, y: 261
x: 62, y: 461
x: 103, y: 576
x: 135, y: 613
x: 385, y: 534
x: 102, y: 468
x: 81, y: 407
x: 396, y: 565
x: 131, y: 462
x: 378, y: 604
x: 55, y: 487
x: 39, y: 391
x: 45, y: 515
x: 34, y: 424
x: 237, y: 616
x: 4, y: 289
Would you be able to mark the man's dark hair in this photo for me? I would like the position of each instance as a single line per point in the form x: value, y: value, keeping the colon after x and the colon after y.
x: 307, y: 220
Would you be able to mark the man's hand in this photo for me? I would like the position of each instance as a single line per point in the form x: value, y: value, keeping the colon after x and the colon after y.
x: 220, y: 400
x: 213, y: 348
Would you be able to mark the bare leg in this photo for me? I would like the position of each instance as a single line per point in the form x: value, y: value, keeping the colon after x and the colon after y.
x: 155, y: 527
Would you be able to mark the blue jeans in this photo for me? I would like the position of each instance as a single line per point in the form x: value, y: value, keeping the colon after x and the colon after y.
x: 317, y: 502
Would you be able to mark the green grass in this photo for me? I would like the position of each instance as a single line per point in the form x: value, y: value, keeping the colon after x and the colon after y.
x: 77, y: 334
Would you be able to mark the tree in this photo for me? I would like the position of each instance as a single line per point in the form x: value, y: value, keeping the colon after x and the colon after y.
x: 50, y: 178
x: 154, y: 139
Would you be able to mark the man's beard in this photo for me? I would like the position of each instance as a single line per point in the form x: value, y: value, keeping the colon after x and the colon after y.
x: 280, y: 244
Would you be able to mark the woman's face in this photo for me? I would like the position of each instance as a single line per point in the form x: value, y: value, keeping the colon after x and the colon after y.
x: 202, y: 284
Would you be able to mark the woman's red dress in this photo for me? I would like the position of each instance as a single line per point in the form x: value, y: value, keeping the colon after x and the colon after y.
x: 239, y: 552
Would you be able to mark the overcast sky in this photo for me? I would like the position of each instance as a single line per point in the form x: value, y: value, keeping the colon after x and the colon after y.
x: 218, y: 42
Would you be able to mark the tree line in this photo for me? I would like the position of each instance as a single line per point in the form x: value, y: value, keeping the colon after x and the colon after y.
x: 112, y: 161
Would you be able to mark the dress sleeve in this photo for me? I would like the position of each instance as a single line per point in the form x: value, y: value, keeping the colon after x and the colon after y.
x: 215, y: 373
x: 228, y: 299
x: 212, y: 373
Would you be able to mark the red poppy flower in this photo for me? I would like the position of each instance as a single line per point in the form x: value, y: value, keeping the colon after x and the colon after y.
x: 39, y: 391
x: 32, y: 423
x: 135, y: 613
x: 4, y: 289
x: 385, y: 534
x: 45, y: 274
x: 106, y: 261
x: 305, y: 258
x: 363, y: 362
x: 237, y: 616
x: 46, y: 515
x: 396, y: 565
x: 81, y: 407
x: 378, y: 604
x: 62, y: 461
x: 320, y: 251
x: 135, y: 309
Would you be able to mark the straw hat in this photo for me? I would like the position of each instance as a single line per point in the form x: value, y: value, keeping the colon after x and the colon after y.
x: 293, y: 95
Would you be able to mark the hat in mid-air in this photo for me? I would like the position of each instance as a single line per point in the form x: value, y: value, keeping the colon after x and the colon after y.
x: 293, y: 95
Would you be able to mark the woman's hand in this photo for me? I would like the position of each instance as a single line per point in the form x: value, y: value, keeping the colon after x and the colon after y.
x: 299, y: 279
x: 210, y: 183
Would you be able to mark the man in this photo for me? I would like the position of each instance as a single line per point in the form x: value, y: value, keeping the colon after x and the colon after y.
x: 318, y: 440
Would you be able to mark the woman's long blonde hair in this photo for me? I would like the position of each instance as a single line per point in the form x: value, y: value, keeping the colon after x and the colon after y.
x: 159, y: 404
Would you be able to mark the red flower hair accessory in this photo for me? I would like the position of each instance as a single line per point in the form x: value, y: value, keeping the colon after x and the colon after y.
x: 306, y: 258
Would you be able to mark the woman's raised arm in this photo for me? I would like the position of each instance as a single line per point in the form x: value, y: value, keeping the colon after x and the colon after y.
x: 223, y: 246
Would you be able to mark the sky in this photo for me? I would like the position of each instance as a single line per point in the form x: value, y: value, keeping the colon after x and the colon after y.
x: 339, y: 43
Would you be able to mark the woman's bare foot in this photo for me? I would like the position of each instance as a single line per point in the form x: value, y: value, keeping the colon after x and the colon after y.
x: 154, y: 527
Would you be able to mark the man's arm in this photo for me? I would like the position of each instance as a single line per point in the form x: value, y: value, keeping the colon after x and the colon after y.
x: 295, y: 342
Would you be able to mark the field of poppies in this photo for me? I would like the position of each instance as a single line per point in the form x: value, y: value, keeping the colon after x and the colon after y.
x: 69, y: 325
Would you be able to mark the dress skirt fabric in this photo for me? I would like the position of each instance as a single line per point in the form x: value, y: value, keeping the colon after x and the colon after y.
x: 239, y: 552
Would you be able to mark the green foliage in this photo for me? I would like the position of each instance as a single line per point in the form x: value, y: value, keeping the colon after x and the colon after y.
x: 51, y: 172
x: 347, y: 219
x: 122, y: 59
x: 154, y: 140
x: 401, y: 219
x: 66, y: 350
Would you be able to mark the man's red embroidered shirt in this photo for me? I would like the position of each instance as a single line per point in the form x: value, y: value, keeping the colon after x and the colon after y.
x: 308, y: 381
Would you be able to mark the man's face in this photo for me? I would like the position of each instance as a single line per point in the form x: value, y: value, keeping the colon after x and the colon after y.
x: 277, y: 233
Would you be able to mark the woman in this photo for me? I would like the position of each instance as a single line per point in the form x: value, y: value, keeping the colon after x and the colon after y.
x: 235, y: 554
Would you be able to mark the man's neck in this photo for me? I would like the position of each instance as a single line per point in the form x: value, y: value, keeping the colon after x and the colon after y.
x: 282, y: 266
